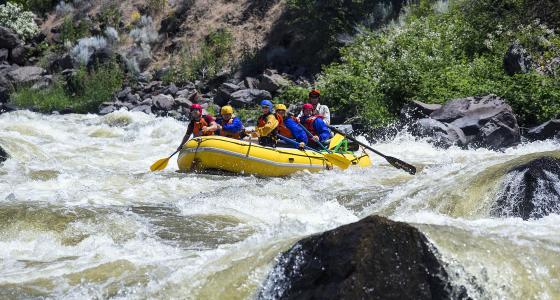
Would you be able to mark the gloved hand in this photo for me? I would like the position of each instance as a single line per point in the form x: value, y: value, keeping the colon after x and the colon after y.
x: 301, y: 146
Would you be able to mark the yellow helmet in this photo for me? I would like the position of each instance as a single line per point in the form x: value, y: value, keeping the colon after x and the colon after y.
x: 281, y: 107
x: 226, y: 110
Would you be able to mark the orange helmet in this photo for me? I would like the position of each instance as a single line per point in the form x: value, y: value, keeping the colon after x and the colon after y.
x: 314, y: 92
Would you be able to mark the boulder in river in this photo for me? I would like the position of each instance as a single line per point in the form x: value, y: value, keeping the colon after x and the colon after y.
x: 441, y: 134
x: 547, y: 130
x: 530, y: 191
x: 486, y: 121
x: 417, y: 110
x: 3, y: 155
x: 374, y: 258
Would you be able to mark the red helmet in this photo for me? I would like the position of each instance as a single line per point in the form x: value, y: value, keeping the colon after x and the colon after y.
x: 196, y: 106
x: 308, y: 106
x: 314, y: 92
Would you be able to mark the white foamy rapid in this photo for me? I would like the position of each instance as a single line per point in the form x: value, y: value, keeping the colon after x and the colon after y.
x: 81, y: 216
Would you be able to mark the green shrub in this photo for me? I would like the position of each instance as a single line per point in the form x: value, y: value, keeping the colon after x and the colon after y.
x: 213, y: 55
x: 292, y: 95
x: 15, y: 17
x: 72, y: 31
x: 110, y: 15
x: 84, y: 92
x: 156, y: 6
x: 40, y: 7
x: 438, y: 57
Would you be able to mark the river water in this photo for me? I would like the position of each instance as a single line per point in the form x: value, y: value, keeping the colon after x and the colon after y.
x: 81, y: 216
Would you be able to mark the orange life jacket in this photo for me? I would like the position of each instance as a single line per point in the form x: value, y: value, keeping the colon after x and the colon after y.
x: 282, y: 129
x: 197, y: 129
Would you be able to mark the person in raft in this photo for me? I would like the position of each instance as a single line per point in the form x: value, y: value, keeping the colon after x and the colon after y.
x: 228, y: 124
x: 318, y: 109
x: 288, y: 126
x: 320, y: 132
x: 267, y: 125
x: 200, y: 124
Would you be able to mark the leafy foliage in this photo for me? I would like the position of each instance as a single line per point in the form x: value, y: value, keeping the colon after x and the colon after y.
x: 83, y: 93
x: 435, y: 57
x: 13, y: 16
x: 206, y: 62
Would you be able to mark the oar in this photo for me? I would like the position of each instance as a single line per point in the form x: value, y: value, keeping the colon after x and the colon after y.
x: 334, y: 159
x: 395, y: 162
x: 162, y: 163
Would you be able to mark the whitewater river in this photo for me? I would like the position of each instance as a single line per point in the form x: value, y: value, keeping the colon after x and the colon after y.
x: 81, y: 217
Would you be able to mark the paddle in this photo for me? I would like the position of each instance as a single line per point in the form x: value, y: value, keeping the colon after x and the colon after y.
x: 395, y: 162
x: 337, y: 160
x: 334, y: 157
x: 162, y: 163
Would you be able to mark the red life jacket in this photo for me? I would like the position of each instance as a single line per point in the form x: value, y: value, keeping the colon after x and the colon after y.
x: 197, y: 129
x: 309, y: 124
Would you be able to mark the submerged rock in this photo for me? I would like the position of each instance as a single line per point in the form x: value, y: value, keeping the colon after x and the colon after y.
x: 530, y: 191
x: 374, y: 258
x: 547, y: 130
x: 441, y: 134
x: 3, y: 155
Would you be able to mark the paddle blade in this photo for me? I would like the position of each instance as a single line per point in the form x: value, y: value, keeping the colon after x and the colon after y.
x: 338, y: 160
x: 337, y: 138
x: 399, y: 164
x: 159, y: 165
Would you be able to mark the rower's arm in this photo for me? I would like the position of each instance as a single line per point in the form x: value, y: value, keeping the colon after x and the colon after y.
x: 271, y: 124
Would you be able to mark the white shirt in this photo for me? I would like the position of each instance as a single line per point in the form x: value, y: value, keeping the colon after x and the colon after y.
x: 322, y: 110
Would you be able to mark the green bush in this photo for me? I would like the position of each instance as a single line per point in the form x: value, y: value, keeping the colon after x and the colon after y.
x: 83, y: 93
x: 292, y: 95
x: 435, y: 57
x: 72, y: 31
x: 15, y: 17
x: 213, y: 55
x: 40, y: 7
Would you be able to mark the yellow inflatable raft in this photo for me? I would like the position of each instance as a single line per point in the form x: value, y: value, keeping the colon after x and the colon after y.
x: 245, y: 157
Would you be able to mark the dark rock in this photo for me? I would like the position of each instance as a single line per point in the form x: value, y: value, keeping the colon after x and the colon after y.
x: 170, y: 25
x: 517, y: 60
x: 273, y: 82
x: 3, y: 155
x: 17, y: 55
x: 248, y: 97
x: 44, y: 83
x: 530, y: 191
x: 486, y: 121
x: 4, y: 54
x: 251, y: 83
x: 107, y: 108
x: 9, y: 39
x: 60, y: 63
x: 171, y: 90
x: 223, y: 96
x: 147, y: 109
x: 547, y: 130
x: 183, y: 102
x: 441, y: 134
x: 153, y: 86
x: 26, y: 75
x: 147, y: 101
x: 374, y: 258
x: 66, y: 110
x: 132, y: 98
x: 5, y: 89
x: 414, y: 110
x: 163, y: 102
x: 121, y: 95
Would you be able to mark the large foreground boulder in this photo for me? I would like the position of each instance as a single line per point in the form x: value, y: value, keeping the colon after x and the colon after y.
x: 374, y: 258
x: 547, y: 130
x: 530, y: 191
x: 486, y: 121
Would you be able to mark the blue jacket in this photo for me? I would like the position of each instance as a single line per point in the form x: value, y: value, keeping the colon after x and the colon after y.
x: 234, y: 127
x: 299, y: 134
x: 320, y: 128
